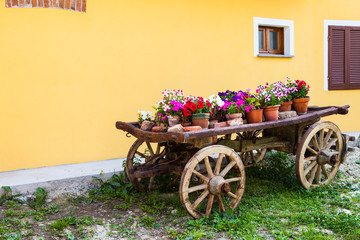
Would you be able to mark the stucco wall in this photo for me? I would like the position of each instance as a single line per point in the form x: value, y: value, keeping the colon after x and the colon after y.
x: 66, y: 77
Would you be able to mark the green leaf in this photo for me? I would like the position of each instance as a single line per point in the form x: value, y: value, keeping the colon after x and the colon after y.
x: 6, y: 188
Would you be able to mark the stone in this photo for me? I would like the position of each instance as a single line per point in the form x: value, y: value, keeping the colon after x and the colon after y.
x: 176, y: 128
x: 192, y: 128
x: 157, y: 129
x: 147, y: 125
x: 287, y: 114
x: 235, y: 122
x: 220, y: 125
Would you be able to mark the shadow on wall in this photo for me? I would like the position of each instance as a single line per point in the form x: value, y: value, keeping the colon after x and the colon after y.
x: 74, y: 5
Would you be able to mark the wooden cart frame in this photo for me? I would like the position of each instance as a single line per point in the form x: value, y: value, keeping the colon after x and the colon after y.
x: 212, y: 162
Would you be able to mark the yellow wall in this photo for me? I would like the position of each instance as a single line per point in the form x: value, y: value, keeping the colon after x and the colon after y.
x: 66, y: 77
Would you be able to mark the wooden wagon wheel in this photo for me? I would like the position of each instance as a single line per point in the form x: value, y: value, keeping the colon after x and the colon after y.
x: 137, y: 157
x: 225, y: 184
x: 253, y: 157
x: 318, y: 155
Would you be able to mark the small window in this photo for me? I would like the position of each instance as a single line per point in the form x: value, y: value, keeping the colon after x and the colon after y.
x: 271, y: 40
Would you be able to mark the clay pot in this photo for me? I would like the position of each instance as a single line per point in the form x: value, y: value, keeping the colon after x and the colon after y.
x: 233, y: 116
x: 301, y: 105
x: 200, y: 119
x: 271, y: 113
x: 285, y: 106
x: 186, y: 124
x: 173, y: 120
x: 254, y: 116
x: 212, y: 123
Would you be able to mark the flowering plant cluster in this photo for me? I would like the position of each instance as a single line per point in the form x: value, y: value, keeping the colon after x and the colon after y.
x: 269, y: 95
x: 171, y: 104
x: 217, y: 104
x: 144, y: 116
x: 196, y: 105
x: 233, y: 102
x: 302, y: 89
x: 252, y: 101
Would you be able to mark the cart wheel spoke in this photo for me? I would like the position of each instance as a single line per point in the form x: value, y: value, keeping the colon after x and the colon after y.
x: 318, y: 175
x: 330, y: 143
x: 231, y: 195
x: 209, y: 205
x: 229, y: 180
x: 324, y: 172
x: 208, y: 167
x: 311, y: 166
x: 218, y: 164
x: 158, y: 149
x: 150, y: 148
x: 312, y: 175
x: 321, y: 138
x: 327, y: 137
x: 199, y: 175
x: 198, y: 188
x: 316, y: 144
x: 323, y: 141
x: 311, y: 158
x: 311, y: 150
x: 200, y: 198
x: 227, y: 168
x: 142, y: 155
x: 220, y: 202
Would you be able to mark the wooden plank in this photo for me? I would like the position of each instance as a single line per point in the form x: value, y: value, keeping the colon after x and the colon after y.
x: 313, y: 114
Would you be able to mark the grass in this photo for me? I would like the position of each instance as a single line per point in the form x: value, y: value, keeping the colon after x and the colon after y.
x: 274, y: 206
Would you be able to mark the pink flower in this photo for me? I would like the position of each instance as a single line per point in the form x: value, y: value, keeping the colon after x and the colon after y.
x: 247, y: 108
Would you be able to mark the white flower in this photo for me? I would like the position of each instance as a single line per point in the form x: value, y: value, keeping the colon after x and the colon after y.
x: 216, y: 100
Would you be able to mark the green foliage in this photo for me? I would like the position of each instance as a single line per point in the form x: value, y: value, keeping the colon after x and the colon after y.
x: 40, y: 198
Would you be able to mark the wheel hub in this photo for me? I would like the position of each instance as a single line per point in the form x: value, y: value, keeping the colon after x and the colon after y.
x: 218, y: 185
x: 327, y: 157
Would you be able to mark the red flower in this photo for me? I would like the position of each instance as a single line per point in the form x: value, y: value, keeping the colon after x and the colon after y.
x: 208, y: 103
x: 193, y: 107
x: 200, y: 104
x: 186, y: 112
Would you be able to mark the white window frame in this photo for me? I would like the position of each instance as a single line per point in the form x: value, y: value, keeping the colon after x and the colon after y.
x: 328, y: 23
x: 288, y: 26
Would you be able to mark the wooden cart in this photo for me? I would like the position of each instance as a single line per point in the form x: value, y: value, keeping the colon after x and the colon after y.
x: 212, y: 162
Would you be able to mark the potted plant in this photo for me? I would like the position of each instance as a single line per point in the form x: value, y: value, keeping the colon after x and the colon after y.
x: 171, y: 106
x: 270, y: 97
x: 233, y: 107
x: 254, y: 113
x: 200, y: 110
x: 144, y: 120
x: 301, y: 100
x: 216, y: 115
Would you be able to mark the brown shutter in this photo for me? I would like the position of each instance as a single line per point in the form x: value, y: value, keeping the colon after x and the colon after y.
x: 354, y: 57
x: 337, y: 71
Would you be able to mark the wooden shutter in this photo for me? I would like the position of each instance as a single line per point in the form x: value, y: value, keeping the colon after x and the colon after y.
x: 344, y: 58
x: 336, y: 72
x: 354, y: 57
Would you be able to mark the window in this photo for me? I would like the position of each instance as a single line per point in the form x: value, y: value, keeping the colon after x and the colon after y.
x: 343, y: 57
x: 273, y: 37
x: 271, y: 40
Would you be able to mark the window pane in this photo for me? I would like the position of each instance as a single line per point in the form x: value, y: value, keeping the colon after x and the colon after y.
x: 274, y: 41
x: 261, y: 40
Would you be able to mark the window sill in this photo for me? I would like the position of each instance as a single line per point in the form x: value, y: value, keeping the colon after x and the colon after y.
x: 275, y: 55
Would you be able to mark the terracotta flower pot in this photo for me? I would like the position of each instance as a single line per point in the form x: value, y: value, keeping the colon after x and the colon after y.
x: 173, y: 120
x: 301, y: 105
x: 233, y: 116
x: 271, y: 113
x: 254, y: 116
x: 285, y: 106
x: 200, y: 119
